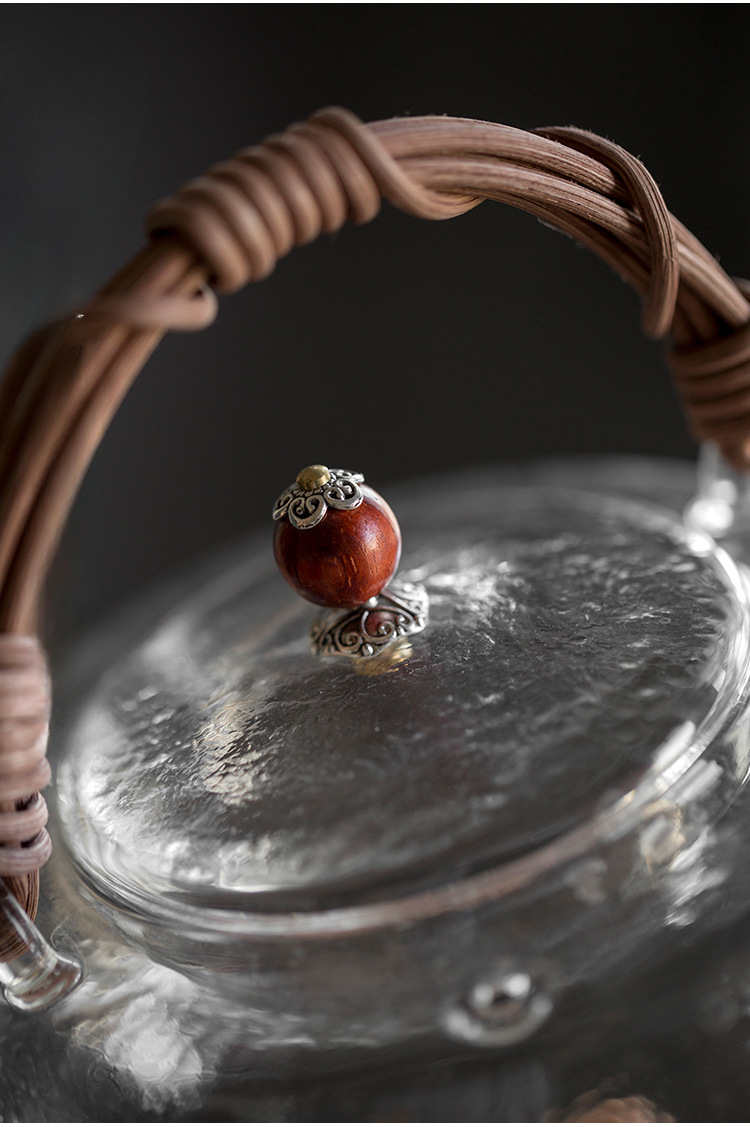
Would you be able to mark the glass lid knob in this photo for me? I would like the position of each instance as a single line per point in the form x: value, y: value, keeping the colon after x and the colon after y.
x: 338, y: 544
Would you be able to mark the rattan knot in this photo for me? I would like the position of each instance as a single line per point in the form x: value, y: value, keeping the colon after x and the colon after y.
x: 245, y: 214
x: 24, y: 716
x: 713, y: 378
x: 642, y: 196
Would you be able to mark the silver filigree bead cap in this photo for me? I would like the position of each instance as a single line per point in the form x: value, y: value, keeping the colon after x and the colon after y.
x: 317, y: 489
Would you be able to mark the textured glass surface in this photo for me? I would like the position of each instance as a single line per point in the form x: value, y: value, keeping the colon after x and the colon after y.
x: 570, y: 636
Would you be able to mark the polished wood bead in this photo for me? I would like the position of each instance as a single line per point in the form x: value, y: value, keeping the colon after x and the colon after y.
x: 351, y: 555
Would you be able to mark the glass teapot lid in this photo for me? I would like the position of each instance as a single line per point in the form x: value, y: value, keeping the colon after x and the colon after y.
x: 581, y: 655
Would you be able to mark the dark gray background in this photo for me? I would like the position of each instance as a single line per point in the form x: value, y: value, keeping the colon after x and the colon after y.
x: 401, y: 348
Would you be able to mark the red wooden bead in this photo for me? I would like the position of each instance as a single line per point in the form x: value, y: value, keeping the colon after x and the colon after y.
x: 351, y: 555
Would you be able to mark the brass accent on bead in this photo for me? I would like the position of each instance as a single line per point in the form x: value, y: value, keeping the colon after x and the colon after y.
x: 312, y: 477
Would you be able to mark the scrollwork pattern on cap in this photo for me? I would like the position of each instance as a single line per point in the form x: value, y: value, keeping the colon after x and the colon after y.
x: 306, y: 507
x: 365, y: 631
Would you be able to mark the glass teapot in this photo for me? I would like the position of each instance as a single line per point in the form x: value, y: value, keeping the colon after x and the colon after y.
x: 275, y: 864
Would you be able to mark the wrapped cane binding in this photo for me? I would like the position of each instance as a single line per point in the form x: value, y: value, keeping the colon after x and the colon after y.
x: 24, y: 713
x: 229, y: 227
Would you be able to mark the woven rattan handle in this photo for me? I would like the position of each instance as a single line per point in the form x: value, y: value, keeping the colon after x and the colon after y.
x: 230, y: 227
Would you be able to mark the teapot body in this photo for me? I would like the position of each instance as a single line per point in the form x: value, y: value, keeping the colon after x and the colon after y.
x: 349, y: 942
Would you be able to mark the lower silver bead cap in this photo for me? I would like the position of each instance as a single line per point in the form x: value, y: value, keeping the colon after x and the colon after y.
x: 364, y: 632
